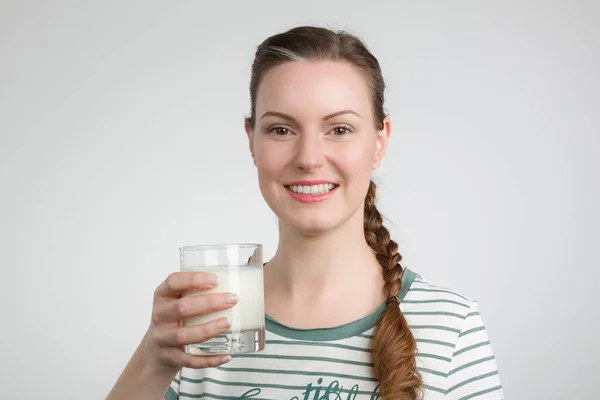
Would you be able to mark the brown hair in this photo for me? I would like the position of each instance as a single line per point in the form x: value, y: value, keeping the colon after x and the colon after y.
x: 394, y: 347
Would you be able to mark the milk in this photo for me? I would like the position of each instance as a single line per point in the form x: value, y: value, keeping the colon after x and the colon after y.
x: 245, y: 281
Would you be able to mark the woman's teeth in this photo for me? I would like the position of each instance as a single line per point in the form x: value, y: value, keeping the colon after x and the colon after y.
x: 312, y: 189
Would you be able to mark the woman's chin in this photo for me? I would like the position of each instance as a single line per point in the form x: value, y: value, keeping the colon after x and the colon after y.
x: 310, y: 227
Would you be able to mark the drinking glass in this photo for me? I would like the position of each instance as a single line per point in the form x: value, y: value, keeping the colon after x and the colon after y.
x: 239, y: 268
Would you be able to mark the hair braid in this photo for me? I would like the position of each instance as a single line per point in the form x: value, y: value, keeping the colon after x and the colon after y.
x: 394, y: 346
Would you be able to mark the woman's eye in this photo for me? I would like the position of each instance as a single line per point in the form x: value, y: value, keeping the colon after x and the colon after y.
x: 279, y: 131
x: 340, y: 130
x: 283, y: 131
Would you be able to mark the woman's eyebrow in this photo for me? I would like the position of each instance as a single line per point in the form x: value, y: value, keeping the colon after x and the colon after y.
x: 293, y: 120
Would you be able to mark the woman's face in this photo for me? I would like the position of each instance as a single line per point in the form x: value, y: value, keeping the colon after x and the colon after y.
x: 315, y: 143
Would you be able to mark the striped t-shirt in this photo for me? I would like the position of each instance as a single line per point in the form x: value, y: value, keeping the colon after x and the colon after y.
x: 454, y: 356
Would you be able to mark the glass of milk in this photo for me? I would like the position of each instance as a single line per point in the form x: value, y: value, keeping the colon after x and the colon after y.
x: 239, y: 268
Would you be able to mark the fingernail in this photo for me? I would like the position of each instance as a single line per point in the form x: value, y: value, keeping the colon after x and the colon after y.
x: 225, y: 359
x: 232, y: 299
x: 212, y: 279
x: 223, y: 323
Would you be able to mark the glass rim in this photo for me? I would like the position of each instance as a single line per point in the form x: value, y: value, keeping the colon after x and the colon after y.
x: 220, y: 246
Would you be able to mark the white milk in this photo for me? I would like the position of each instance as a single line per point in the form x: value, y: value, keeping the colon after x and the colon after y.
x: 247, y: 282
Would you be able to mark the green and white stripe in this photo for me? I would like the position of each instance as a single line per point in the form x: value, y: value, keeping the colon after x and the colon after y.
x: 454, y: 357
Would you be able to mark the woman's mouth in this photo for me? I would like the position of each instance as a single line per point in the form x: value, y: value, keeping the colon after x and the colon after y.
x: 311, y: 192
x: 321, y: 188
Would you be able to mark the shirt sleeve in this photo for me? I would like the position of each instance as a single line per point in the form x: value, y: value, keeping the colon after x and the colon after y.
x: 473, y: 372
x: 173, y: 392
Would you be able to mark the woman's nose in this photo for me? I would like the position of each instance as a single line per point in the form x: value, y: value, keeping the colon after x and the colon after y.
x: 310, y: 155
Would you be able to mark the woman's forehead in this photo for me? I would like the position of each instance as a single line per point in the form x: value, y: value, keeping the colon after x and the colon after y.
x: 307, y: 87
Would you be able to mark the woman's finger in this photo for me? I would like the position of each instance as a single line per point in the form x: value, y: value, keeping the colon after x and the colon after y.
x: 197, y: 362
x: 178, y: 282
x: 180, y: 336
x: 191, y: 306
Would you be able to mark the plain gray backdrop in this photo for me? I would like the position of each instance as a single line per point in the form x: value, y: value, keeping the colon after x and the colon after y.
x: 121, y: 139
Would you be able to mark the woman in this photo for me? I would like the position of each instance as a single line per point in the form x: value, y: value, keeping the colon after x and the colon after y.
x: 345, y: 319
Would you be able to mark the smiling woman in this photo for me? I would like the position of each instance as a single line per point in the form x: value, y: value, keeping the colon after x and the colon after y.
x: 345, y: 319
x: 315, y: 126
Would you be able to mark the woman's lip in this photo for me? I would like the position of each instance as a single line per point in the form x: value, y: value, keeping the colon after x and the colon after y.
x: 310, y: 183
x: 311, y: 198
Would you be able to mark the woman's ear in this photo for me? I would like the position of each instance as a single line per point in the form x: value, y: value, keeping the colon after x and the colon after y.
x: 383, y: 137
x: 250, y: 133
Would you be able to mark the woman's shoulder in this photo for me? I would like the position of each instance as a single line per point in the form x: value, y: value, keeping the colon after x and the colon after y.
x: 421, y: 291
x: 436, y: 310
x: 454, y: 350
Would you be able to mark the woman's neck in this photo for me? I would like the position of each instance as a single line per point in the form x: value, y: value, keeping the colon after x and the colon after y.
x: 310, y: 272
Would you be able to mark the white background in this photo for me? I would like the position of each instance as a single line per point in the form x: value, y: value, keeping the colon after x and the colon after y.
x: 121, y: 139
